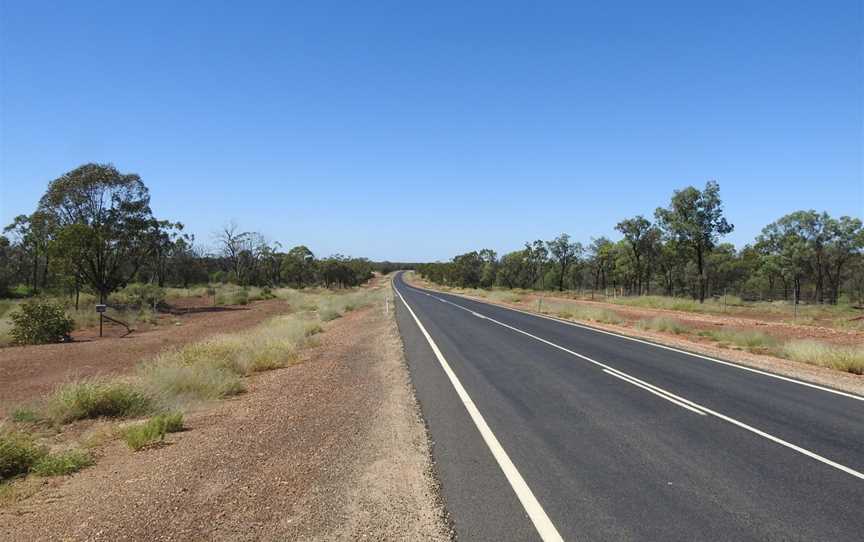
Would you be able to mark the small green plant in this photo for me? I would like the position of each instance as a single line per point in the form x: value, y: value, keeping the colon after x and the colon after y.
x: 62, y: 463
x: 153, y: 430
x: 18, y: 454
x: 97, y: 398
x: 25, y: 415
x: 40, y: 322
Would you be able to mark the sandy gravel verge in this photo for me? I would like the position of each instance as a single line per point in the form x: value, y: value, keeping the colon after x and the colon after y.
x: 332, y: 448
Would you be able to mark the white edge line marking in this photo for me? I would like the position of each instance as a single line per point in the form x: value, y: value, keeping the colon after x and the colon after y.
x: 657, y: 393
x: 723, y: 417
x: 656, y: 345
x: 542, y: 523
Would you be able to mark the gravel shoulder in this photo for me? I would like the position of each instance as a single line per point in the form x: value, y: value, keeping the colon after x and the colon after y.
x: 332, y: 448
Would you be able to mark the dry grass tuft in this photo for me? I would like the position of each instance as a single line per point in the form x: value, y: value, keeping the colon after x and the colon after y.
x: 843, y: 358
x: 666, y: 325
x: 95, y: 398
x: 754, y: 341
x: 62, y: 463
x: 18, y: 454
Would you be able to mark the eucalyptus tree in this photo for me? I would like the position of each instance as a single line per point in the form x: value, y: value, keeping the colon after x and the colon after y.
x: 640, y: 236
x: 298, y: 266
x: 103, y: 221
x: 601, y: 262
x: 563, y: 253
x: 695, y: 218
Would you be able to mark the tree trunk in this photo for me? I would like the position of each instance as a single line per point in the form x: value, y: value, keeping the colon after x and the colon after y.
x: 35, y: 270
x: 701, y: 267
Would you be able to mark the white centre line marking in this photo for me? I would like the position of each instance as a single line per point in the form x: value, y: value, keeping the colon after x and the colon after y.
x: 657, y: 393
x: 544, y: 526
x: 682, y: 400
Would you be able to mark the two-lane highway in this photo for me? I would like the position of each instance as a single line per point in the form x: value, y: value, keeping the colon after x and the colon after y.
x: 546, y: 430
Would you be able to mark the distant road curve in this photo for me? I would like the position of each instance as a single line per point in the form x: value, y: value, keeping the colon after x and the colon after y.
x: 548, y: 431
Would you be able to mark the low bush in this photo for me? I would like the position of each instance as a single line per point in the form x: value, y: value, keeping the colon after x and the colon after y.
x: 153, y: 430
x: 40, y: 322
x: 6, y: 332
x: 755, y: 341
x: 232, y: 296
x: 18, y: 454
x: 140, y: 295
x: 666, y: 325
x: 95, y: 399
x: 62, y: 463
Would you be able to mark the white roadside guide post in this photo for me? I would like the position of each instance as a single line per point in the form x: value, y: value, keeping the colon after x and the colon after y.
x: 101, y: 310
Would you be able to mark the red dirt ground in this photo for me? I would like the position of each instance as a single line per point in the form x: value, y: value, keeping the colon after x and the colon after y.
x: 29, y: 372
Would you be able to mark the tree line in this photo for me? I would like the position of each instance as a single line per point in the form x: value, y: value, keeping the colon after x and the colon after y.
x: 93, y: 230
x: 805, y: 255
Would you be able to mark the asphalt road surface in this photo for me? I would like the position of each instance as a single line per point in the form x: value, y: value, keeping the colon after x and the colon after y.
x: 545, y: 430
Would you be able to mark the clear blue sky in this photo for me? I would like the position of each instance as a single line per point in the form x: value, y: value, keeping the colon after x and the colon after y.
x: 414, y: 131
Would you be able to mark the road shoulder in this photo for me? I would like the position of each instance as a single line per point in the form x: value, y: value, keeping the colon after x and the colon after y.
x: 332, y: 448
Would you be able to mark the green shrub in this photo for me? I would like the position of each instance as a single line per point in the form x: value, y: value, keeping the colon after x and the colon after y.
x: 18, y: 453
x: 232, y: 296
x: 266, y: 293
x: 153, y: 430
x: 40, y: 322
x: 62, y: 463
x: 140, y: 295
x: 94, y: 399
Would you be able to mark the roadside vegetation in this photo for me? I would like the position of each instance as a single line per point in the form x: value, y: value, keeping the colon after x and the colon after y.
x: 806, y: 267
x: 21, y: 454
x: 152, y: 431
x: 834, y: 356
x: 93, y: 238
x: 152, y: 402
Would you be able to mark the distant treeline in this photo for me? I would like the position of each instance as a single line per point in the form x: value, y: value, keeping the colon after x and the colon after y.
x: 93, y: 230
x: 804, y: 255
